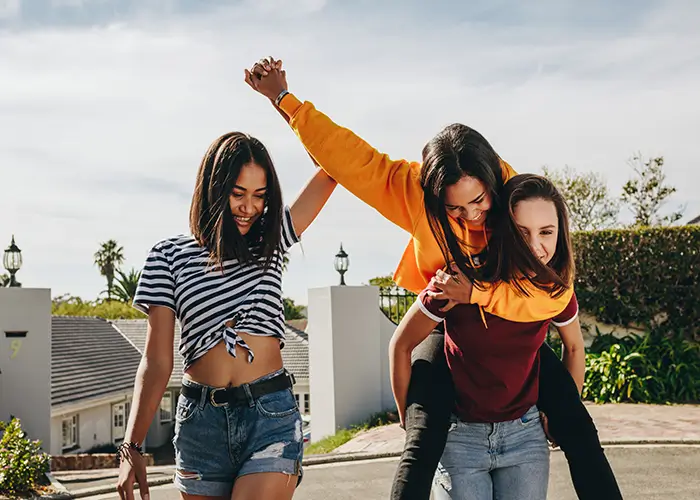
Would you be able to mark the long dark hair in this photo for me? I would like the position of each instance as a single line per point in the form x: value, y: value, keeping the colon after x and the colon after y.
x: 211, y: 221
x: 457, y: 151
x: 511, y: 259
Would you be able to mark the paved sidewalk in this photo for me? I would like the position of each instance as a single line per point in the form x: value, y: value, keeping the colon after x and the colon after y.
x: 616, y: 423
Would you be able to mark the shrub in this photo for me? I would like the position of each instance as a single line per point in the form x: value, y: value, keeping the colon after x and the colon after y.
x: 646, y: 276
x: 657, y: 368
x: 22, y: 463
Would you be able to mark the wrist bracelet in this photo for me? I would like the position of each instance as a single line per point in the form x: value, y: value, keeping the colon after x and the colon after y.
x: 128, y: 445
x: 280, y: 97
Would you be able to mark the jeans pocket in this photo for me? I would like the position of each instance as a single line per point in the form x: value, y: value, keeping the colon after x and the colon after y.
x: 531, y: 417
x: 277, y: 404
x: 186, y: 409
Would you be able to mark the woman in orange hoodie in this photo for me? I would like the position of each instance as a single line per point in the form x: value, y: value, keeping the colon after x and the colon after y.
x: 454, y: 224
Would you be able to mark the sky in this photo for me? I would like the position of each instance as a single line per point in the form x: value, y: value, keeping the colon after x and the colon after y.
x: 107, y: 106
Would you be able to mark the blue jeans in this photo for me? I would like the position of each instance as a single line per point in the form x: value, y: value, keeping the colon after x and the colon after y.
x: 214, y: 445
x: 494, y: 461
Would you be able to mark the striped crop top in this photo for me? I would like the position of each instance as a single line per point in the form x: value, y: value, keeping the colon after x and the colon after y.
x: 212, y: 306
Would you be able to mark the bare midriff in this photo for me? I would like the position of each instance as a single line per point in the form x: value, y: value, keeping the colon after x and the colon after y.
x: 217, y: 368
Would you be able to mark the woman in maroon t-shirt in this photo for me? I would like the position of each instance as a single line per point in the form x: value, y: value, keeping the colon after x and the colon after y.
x: 496, y: 447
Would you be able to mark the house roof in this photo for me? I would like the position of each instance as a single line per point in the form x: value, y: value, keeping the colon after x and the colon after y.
x: 295, y: 354
x: 299, y: 324
x: 89, y: 358
x: 696, y: 220
x: 135, y: 330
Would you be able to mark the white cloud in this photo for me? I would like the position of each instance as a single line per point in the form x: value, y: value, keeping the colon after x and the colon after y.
x: 9, y: 9
x: 101, y: 129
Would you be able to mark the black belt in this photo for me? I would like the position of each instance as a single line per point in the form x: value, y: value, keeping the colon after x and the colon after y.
x: 235, y: 396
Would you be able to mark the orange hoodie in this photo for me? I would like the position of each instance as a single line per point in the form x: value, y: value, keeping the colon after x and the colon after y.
x: 392, y: 187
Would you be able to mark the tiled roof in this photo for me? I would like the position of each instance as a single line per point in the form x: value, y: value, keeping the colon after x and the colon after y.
x: 696, y: 220
x: 296, y: 353
x: 299, y: 324
x: 89, y: 358
x: 135, y: 330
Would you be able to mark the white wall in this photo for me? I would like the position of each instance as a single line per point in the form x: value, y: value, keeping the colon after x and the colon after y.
x: 344, y: 356
x: 25, y: 362
x: 386, y: 330
x: 94, y: 428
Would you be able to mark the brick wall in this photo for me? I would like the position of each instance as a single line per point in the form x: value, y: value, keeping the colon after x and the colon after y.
x: 86, y: 461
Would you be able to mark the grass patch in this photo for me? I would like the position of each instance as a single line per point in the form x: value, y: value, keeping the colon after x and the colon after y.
x: 330, y: 443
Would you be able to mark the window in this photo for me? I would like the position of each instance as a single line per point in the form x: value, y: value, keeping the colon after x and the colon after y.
x: 296, y: 397
x: 307, y: 403
x: 119, y: 418
x: 166, y: 408
x: 69, y: 429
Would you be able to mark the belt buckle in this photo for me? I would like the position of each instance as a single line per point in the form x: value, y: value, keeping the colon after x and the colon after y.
x: 212, y: 401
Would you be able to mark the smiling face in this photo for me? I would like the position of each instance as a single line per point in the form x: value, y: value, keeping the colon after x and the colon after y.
x: 539, y: 224
x: 468, y: 200
x: 247, y: 200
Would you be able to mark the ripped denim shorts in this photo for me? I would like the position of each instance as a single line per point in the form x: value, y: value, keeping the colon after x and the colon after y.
x: 214, y: 445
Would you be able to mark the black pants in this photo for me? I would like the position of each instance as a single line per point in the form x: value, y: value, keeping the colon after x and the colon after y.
x: 430, y: 403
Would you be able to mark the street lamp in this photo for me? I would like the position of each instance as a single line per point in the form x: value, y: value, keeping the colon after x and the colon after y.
x: 341, y: 264
x: 12, y: 260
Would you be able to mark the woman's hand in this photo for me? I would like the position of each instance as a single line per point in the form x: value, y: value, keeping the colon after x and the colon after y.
x: 267, y: 77
x: 455, y: 288
x: 132, y: 469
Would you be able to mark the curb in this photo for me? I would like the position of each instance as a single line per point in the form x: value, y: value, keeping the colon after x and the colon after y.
x: 101, y: 490
x: 331, y: 457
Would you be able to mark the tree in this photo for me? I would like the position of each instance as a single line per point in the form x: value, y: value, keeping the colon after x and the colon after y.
x: 125, y: 289
x: 590, y: 205
x: 285, y: 262
x: 647, y: 192
x: 291, y: 310
x: 69, y: 305
x: 385, y: 283
x: 107, y: 259
x: 4, y: 280
x: 394, y: 301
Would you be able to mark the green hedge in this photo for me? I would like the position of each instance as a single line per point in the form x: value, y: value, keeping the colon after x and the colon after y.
x: 641, y: 276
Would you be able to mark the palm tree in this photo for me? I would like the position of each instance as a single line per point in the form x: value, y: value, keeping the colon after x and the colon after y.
x: 125, y: 289
x: 107, y: 259
x: 4, y: 279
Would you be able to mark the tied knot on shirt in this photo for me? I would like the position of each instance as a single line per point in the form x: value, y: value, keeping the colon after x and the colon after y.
x: 232, y: 339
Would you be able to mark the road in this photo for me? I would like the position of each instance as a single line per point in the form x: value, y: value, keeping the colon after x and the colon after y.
x: 658, y: 472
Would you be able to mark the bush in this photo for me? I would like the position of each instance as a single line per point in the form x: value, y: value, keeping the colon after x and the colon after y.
x: 646, y: 276
x: 22, y: 463
x: 657, y: 368
x: 66, y: 305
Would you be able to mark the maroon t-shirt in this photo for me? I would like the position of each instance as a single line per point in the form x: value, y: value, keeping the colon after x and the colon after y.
x: 496, y: 369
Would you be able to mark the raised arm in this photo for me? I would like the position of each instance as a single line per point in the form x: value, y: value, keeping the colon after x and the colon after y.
x: 311, y: 200
x: 392, y: 187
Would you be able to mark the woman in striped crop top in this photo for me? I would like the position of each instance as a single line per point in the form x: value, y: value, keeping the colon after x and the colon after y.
x: 238, y: 431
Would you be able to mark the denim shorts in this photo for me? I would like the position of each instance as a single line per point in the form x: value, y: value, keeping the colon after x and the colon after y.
x: 214, y: 445
x: 504, y: 460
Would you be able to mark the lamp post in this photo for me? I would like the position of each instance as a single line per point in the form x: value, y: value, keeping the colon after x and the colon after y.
x: 341, y: 264
x: 12, y: 260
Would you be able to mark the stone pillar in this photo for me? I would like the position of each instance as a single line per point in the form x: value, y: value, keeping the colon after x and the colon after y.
x: 25, y: 360
x: 344, y: 356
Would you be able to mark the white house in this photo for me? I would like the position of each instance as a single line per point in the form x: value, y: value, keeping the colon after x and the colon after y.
x: 70, y: 379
